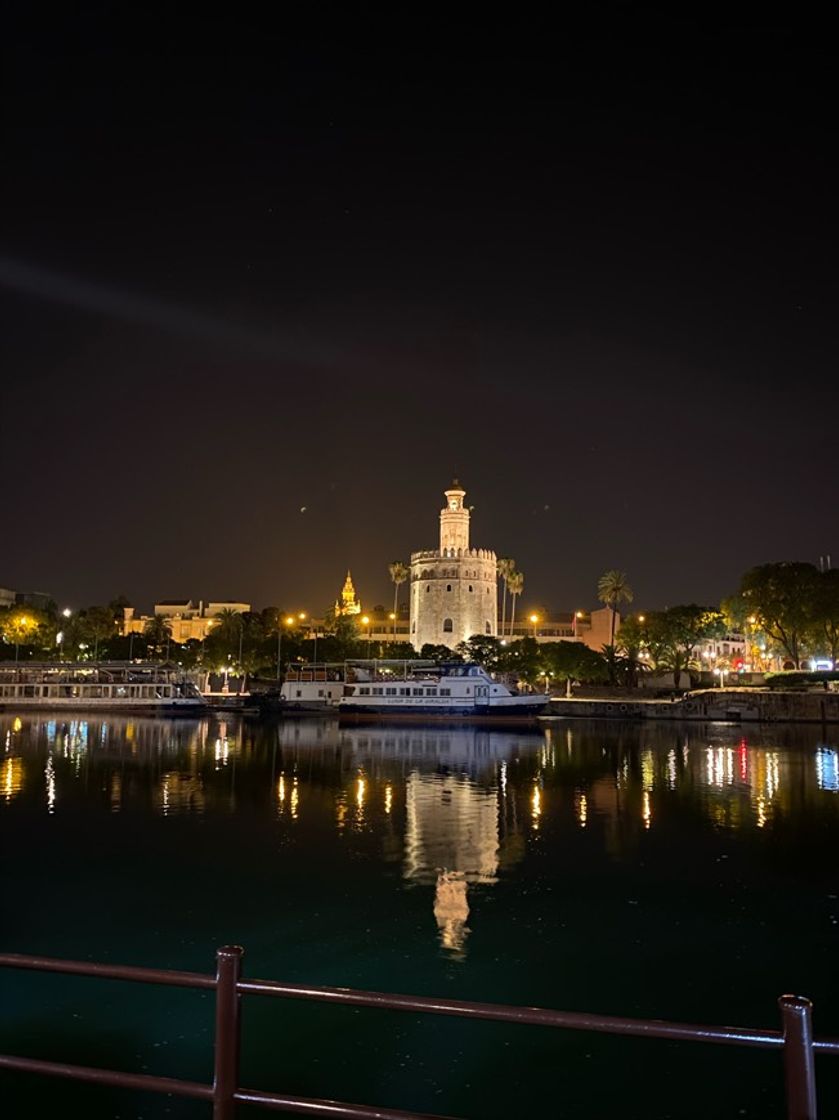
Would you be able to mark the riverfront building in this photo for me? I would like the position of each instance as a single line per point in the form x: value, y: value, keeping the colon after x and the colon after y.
x: 187, y: 620
x: 454, y: 588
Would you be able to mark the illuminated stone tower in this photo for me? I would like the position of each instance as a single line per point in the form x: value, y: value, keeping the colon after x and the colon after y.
x: 347, y: 604
x: 454, y: 587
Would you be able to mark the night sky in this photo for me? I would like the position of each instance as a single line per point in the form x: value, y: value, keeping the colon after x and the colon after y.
x: 591, y: 274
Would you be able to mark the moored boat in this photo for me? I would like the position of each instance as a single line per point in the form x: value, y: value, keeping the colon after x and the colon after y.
x: 154, y: 687
x: 454, y: 691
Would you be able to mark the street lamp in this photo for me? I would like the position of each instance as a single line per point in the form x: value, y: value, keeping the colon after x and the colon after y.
x: 289, y: 621
x: 22, y: 625
x: 577, y: 615
x: 365, y: 622
x: 534, y: 618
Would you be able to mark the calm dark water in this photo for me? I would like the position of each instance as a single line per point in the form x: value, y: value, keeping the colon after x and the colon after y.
x: 685, y: 873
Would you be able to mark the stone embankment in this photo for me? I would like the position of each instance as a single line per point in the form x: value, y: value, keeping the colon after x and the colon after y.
x: 725, y: 704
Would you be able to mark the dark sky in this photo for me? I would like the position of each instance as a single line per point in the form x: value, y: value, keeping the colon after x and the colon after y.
x: 590, y: 272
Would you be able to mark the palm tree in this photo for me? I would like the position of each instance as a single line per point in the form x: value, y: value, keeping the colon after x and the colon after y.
x: 613, y: 588
x: 158, y: 633
x: 515, y: 585
x: 399, y: 572
x: 506, y: 567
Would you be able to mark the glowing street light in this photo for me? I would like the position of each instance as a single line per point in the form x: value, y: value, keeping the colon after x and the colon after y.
x: 365, y: 622
x: 534, y: 619
x: 288, y: 621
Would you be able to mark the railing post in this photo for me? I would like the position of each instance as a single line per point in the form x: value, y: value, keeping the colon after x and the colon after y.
x: 226, y: 1067
x: 799, y: 1066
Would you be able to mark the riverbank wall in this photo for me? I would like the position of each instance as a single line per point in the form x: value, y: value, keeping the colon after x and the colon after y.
x: 730, y: 705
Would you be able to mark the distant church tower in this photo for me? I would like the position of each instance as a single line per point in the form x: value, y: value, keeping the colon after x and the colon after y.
x: 454, y: 588
x: 347, y: 604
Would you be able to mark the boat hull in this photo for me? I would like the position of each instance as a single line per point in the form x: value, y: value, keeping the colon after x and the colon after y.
x: 95, y: 704
x: 524, y: 710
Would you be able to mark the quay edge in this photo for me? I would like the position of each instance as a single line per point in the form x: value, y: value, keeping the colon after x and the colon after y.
x: 733, y: 705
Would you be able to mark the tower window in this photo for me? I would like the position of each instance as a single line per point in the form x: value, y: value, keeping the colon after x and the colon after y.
x: 488, y: 628
x: 448, y: 587
x: 414, y: 627
x: 448, y: 627
x: 470, y: 586
x: 428, y: 588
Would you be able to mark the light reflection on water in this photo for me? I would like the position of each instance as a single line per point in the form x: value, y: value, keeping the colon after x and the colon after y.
x: 457, y: 809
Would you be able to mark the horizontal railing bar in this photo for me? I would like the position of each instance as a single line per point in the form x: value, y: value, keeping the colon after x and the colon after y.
x: 109, y: 971
x: 826, y: 1045
x: 308, y: 1106
x: 143, y: 1081
x: 535, y: 1016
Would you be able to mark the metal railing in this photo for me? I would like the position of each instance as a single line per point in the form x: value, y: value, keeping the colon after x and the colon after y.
x: 795, y: 1039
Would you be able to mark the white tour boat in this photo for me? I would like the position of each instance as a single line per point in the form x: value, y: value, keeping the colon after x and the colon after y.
x: 98, y: 685
x: 312, y: 687
x: 448, y: 691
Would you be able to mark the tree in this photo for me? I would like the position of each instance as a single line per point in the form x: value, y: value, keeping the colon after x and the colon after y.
x: 612, y: 589
x: 158, y: 633
x: 506, y: 566
x: 399, y: 572
x: 825, y: 628
x: 673, y: 635
x: 340, y: 639
x: 97, y: 625
x: 571, y: 661
x: 439, y: 653
x: 783, y: 598
x: 628, y: 659
x: 515, y: 585
x: 23, y: 626
x: 483, y: 649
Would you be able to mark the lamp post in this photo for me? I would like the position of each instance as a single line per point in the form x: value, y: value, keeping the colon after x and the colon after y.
x: 365, y: 622
x: 21, y: 627
x: 534, y: 619
x: 289, y: 621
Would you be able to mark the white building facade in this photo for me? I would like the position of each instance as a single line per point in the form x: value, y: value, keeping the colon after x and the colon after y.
x: 454, y: 588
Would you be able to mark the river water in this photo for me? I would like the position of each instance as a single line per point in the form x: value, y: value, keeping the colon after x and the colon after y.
x: 681, y: 872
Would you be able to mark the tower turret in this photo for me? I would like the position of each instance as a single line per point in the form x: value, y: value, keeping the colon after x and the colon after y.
x: 454, y: 521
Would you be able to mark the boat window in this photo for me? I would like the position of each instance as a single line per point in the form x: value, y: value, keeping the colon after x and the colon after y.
x: 445, y: 692
x: 447, y: 624
x: 404, y: 692
x: 377, y: 692
x: 390, y: 692
x: 364, y: 692
x: 431, y: 692
x: 417, y: 692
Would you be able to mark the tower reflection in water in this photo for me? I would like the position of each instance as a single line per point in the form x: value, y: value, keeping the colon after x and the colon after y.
x: 455, y: 827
